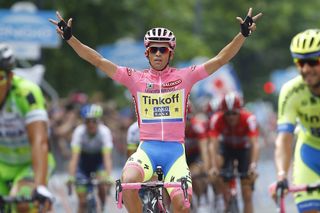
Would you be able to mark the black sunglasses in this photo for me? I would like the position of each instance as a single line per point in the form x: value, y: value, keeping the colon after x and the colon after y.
x: 91, y: 120
x: 310, y: 62
x: 162, y: 50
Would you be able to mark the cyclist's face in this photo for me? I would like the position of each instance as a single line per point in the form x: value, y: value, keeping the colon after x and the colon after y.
x: 5, y: 79
x: 309, y: 70
x: 232, y: 117
x: 159, y: 55
x: 92, y: 125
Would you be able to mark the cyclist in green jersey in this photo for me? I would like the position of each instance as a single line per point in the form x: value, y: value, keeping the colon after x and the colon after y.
x: 299, y: 103
x: 24, y: 148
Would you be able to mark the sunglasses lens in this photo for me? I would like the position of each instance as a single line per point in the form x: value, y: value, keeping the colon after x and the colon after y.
x: 91, y: 120
x: 153, y: 50
x: 162, y: 50
x: 310, y: 62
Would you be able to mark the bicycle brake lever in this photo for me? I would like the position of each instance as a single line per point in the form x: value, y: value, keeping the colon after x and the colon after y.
x: 184, y: 186
x: 118, y: 189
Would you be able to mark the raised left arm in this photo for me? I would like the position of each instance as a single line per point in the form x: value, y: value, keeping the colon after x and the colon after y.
x: 228, y: 52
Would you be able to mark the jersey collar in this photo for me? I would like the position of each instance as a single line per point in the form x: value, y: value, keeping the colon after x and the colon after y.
x: 160, y: 73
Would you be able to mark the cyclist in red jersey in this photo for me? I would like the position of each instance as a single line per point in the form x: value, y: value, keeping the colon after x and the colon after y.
x: 233, y: 135
x: 196, y: 143
x: 160, y: 94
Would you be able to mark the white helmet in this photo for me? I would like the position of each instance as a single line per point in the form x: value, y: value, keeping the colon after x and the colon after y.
x: 7, y: 60
x: 160, y: 34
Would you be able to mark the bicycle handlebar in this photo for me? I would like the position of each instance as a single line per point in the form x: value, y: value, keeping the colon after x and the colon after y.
x: 90, y: 182
x: 18, y: 199
x: 154, y: 184
x: 306, y: 188
x: 292, y: 189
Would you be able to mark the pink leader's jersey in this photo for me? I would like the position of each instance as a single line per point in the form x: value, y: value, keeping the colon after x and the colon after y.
x: 161, y: 98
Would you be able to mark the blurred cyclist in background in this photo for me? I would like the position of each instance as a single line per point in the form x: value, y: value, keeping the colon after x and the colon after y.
x: 196, y: 149
x: 25, y: 163
x: 299, y: 100
x: 133, y: 138
x: 161, y: 95
x: 234, y: 137
x: 91, y: 146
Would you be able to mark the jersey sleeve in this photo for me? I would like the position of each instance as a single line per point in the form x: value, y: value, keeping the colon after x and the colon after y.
x: 252, y: 126
x: 126, y: 76
x: 133, y: 136
x: 287, y: 109
x: 199, y: 127
x: 195, y: 73
x: 30, y: 100
x: 107, y: 139
x: 213, y: 126
x: 76, y: 139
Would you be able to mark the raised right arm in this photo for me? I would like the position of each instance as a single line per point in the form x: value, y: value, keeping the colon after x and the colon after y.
x: 84, y: 51
x: 92, y: 56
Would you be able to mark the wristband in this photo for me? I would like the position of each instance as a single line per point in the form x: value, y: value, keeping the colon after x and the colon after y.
x: 71, y: 179
x: 253, y: 165
x: 281, y: 173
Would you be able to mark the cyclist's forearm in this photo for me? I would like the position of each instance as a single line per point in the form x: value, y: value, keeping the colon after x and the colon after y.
x: 40, y: 163
x: 37, y: 132
x: 73, y: 163
x: 92, y: 56
x: 283, y: 153
x: 255, y: 150
x: 107, y: 160
x: 213, y: 152
x: 225, y: 55
x: 204, y: 153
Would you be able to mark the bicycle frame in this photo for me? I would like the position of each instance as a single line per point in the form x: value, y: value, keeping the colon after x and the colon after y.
x: 232, y: 178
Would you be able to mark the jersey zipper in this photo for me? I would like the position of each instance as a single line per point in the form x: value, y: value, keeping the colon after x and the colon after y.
x: 162, y: 130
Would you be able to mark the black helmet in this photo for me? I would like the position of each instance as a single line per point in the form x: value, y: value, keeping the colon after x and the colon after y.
x: 7, y: 60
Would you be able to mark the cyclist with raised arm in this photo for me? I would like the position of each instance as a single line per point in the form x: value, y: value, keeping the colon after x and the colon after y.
x: 91, y: 146
x: 161, y: 95
x: 234, y: 136
x: 299, y: 101
x: 25, y: 163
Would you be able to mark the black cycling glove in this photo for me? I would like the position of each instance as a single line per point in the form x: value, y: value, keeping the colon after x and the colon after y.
x: 248, y: 21
x: 42, y: 194
x: 282, y: 185
x: 67, y: 31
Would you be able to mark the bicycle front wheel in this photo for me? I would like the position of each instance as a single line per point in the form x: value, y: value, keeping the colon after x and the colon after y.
x: 233, y: 206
